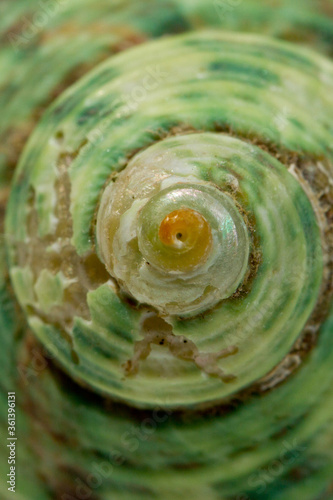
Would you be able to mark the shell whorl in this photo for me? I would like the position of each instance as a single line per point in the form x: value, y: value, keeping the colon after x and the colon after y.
x: 101, y: 175
x: 178, y: 243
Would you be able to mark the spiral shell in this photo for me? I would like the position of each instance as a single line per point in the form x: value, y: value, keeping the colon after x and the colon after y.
x: 172, y: 250
x: 261, y: 280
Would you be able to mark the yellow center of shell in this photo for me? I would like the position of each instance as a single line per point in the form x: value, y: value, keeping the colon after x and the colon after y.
x: 189, y: 237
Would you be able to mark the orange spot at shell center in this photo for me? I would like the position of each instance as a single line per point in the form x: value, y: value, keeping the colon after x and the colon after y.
x: 187, y: 232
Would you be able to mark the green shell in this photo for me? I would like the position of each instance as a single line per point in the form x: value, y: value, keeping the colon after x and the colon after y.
x: 136, y: 391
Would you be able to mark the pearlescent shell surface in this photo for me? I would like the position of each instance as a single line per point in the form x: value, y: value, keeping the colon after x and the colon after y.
x: 90, y: 322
